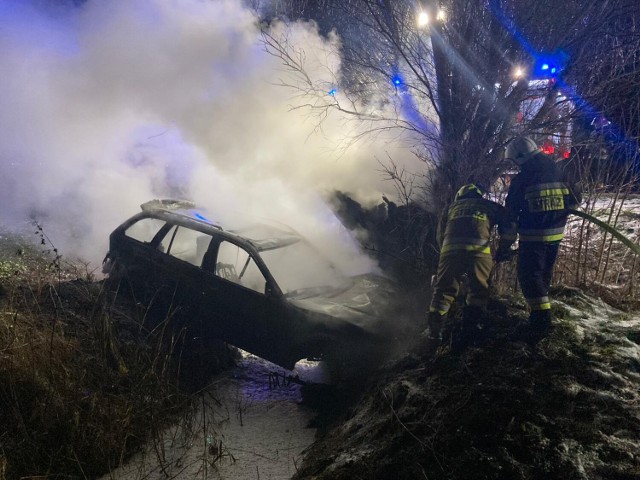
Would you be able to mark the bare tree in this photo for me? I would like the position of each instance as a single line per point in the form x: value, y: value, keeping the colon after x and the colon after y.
x: 461, y: 85
x: 449, y: 83
x: 605, y: 152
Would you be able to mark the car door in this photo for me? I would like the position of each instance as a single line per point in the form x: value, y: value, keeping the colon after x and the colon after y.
x: 176, y: 271
x: 133, y: 251
x: 238, y: 305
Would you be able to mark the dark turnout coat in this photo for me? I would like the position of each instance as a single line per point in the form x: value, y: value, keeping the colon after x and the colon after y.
x: 537, y: 202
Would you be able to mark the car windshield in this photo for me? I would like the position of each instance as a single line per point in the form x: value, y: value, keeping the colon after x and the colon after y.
x: 299, y: 265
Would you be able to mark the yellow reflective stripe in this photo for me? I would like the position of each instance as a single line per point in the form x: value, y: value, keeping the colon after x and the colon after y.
x: 546, y: 186
x: 551, y: 192
x: 539, y: 204
x: 441, y: 311
x: 541, y: 235
x: 466, y: 212
x: 542, y: 238
x: 470, y: 248
x: 539, y: 303
x: 465, y: 240
x: 540, y: 306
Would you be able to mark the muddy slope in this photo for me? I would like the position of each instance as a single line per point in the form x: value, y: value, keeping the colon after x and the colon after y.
x: 567, y: 409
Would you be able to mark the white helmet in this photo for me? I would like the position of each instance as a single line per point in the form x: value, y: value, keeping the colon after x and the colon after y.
x: 521, y: 149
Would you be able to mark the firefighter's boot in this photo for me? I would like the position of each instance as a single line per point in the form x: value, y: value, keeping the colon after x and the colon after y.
x: 470, y: 329
x: 433, y: 333
x: 540, y: 326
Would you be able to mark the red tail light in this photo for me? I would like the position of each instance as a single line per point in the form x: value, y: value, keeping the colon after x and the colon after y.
x: 548, y: 149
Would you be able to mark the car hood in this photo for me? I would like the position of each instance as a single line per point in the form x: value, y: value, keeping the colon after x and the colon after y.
x: 363, y: 300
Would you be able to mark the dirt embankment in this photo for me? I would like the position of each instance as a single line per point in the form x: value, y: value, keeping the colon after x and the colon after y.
x: 567, y: 409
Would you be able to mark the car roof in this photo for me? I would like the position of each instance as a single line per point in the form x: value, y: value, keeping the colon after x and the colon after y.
x: 263, y: 235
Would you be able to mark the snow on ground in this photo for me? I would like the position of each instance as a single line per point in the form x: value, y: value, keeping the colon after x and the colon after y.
x: 251, y: 425
x: 566, y: 408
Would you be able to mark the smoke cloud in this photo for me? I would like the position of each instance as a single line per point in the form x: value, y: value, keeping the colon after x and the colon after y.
x: 108, y: 104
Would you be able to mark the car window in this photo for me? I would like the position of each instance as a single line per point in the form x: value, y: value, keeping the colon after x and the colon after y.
x: 236, y: 265
x: 145, y: 229
x: 186, y: 244
x: 299, y: 266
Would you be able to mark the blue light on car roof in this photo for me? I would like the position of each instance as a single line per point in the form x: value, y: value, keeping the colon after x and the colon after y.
x: 201, y: 217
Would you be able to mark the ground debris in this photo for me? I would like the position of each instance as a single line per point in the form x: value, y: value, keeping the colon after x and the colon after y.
x: 567, y: 409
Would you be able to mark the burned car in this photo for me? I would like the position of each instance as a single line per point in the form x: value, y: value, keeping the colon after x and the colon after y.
x: 260, y: 287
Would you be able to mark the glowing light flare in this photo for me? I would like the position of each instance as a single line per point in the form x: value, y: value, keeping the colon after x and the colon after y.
x: 441, y: 16
x: 423, y: 19
x: 549, y: 65
x: 332, y: 92
x: 518, y: 72
x: 548, y: 149
x: 199, y: 216
x: 397, y: 81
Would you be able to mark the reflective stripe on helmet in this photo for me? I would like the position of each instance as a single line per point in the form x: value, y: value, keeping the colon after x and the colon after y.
x: 467, y: 189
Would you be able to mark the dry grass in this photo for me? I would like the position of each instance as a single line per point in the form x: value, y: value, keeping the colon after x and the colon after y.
x: 82, y: 382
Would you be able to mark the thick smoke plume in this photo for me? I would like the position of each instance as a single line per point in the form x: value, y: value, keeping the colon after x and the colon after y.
x: 110, y: 103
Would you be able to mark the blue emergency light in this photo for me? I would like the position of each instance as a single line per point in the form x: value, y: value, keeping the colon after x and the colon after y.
x: 549, y: 65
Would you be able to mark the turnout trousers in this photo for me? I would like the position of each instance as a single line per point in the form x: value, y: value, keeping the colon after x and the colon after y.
x: 451, y: 268
x: 535, y: 269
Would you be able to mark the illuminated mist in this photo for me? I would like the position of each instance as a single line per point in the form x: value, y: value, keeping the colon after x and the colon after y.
x: 112, y: 103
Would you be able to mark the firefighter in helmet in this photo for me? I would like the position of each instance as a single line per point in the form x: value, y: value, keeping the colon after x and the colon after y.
x: 465, y: 250
x: 537, y: 204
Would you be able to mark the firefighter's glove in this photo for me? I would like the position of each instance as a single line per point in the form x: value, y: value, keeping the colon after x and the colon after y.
x: 505, y: 255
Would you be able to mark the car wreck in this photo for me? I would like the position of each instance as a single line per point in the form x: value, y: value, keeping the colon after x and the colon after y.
x: 260, y: 287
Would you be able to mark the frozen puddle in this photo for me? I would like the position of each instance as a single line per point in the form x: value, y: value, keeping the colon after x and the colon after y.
x: 250, y: 426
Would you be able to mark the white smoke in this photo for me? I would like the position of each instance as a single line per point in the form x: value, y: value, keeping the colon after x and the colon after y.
x: 112, y: 103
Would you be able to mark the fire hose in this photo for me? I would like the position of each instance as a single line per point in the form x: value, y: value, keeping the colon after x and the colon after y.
x: 634, y: 247
x: 607, y: 228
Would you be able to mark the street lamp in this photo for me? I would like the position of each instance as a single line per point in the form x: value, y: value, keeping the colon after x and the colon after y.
x: 423, y: 19
x: 518, y: 72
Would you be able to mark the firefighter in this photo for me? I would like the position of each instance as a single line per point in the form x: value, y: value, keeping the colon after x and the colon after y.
x: 536, y: 203
x: 465, y: 251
